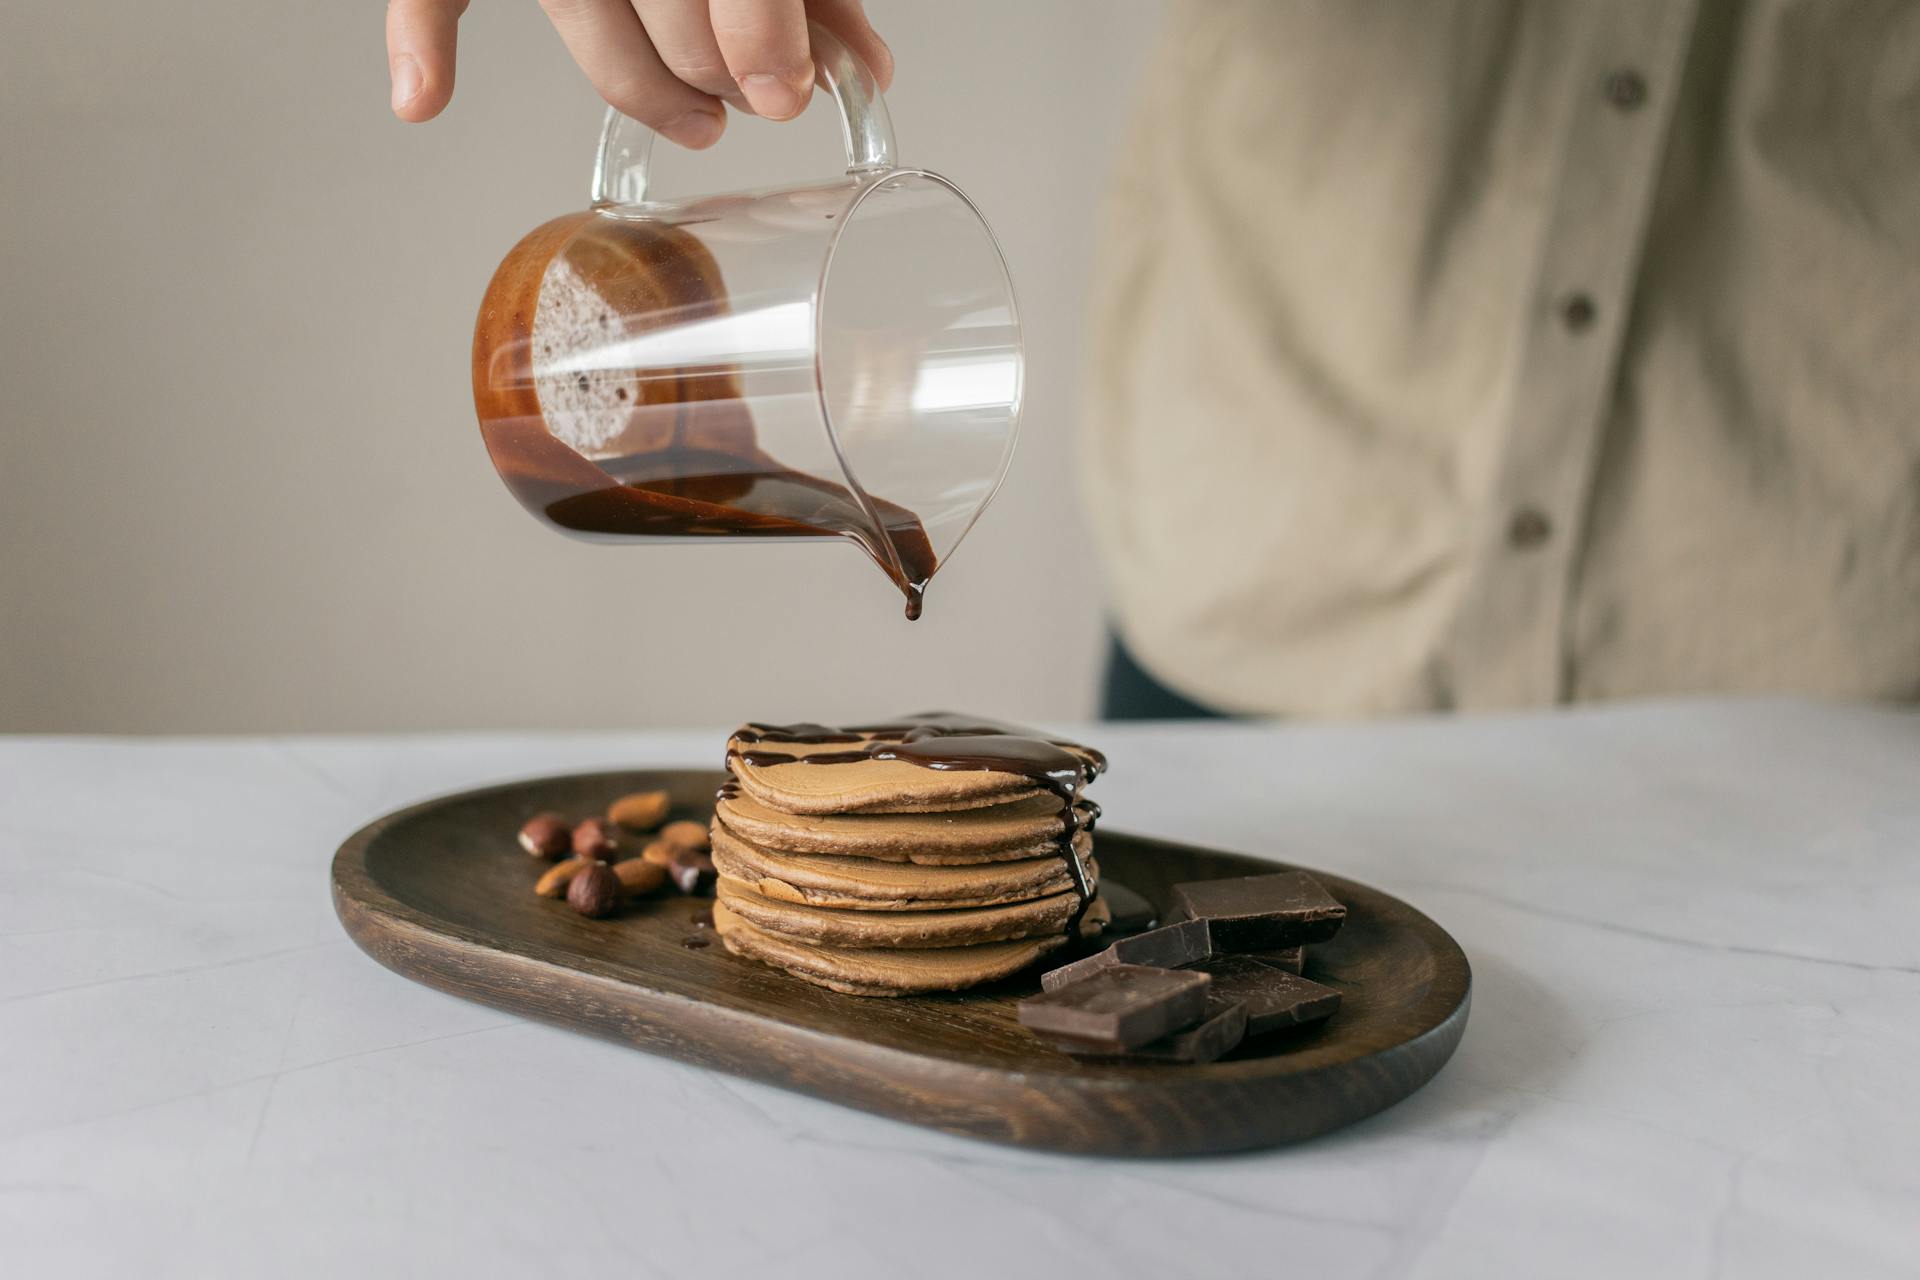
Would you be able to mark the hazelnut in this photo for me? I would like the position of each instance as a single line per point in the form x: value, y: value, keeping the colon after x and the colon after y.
x: 692, y: 871
x: 638, y: 876
x: 595, y: 891
x: 595, y: 840
x: 641, y: 811
x: 686, y: 834
x: 547, y: 836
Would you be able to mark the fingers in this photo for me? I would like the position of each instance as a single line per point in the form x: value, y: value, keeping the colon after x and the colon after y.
x: 420, y: 55
x: 682, y: 35
x: 668, y: 63
x: 846, y: 19
x: 764, y: 44
x: 606, y: 38
x: 682, y: 32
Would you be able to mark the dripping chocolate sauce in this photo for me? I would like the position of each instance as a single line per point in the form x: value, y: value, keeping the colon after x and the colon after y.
x: 943, y: 740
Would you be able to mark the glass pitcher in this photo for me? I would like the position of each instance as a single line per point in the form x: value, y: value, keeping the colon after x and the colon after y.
x: 833, y: 361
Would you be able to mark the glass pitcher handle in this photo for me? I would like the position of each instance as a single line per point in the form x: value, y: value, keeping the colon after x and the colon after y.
x: 620, y: 168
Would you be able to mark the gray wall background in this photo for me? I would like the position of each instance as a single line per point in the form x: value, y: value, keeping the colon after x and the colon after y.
x: 240, y: 482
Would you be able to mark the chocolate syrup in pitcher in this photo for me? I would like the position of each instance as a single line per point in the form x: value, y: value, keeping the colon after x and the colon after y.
x: 655, y: 453
x: 942, y: 740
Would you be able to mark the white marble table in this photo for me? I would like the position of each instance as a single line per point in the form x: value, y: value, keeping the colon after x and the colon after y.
x: 1694, y: 1049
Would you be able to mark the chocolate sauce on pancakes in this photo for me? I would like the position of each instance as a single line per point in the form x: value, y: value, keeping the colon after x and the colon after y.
x: 675, y: 451
x: 942, y: 740
x: 804, y: 732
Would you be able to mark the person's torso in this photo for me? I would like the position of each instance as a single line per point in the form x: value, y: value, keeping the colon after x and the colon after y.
x: 1485, y: 354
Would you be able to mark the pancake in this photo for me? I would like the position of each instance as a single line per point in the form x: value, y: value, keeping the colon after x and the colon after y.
x: 919, y: 856
x: 777, y: 773
x: 879, y: 786
x: 878, y: 972
x: 872, y: 885
x: 907, y: 930
x: 1022, y: 828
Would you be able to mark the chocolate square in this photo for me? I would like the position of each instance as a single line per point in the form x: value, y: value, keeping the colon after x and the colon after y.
x: 1168, y: 947
x: 1124, y: 1006
x: 1223, y: 1027
x: 1260, y: 913
x: 1273, y: 998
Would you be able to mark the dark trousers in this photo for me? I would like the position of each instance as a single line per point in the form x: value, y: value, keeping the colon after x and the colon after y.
x: 1129, y: 692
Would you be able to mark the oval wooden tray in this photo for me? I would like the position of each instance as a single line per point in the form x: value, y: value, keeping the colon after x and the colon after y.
x: 441, y: 893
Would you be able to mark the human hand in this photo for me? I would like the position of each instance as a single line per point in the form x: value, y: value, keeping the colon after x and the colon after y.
x: 669, y: 64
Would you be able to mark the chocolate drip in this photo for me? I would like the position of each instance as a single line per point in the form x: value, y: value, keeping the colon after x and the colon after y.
x: 946, y: 741
x: 926, y: 724
x: 803, y: 732
x: 683, y: 492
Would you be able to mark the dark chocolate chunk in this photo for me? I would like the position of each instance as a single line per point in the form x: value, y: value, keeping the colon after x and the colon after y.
x: 1129, y: 912
x: 1168, y: 947
x: 1260, y: 913
x: 1223, y: 1029
x: 692, y: 871
x: 1123, y: 1006
x: 1292, y: 959
x: 1272, y: 997
x: 1223, y: 1026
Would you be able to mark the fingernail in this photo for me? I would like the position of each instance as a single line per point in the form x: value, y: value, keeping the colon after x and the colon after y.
x: 406, y: 80
x: 696, y: 129
x: 771, y: 96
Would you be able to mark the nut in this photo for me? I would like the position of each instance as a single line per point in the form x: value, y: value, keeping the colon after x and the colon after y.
x: 595, y: 840
x: 692, y: 871
x: 595, y: 891
x: 686, y: 834
x: 660, y: 853
x: 546, y: 835
x: 554, y: 883
x: 638, y: 876
x: 641, y: 811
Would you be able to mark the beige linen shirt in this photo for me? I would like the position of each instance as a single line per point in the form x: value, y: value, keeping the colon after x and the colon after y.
x: 1483, y: 354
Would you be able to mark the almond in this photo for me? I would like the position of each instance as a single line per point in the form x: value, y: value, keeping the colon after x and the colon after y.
x: 638, y: 876
x: 686, y: 834
x: 641, y: 811
x: 553, y: 884
x: 660, y: 853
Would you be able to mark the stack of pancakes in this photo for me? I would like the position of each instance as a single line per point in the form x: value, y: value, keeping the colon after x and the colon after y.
x: 889, y: 876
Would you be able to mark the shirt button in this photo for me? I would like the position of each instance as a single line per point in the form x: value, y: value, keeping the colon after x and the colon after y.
x: 1528, y: 528
x: 1625, y: 89
x: 1577, y: 312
